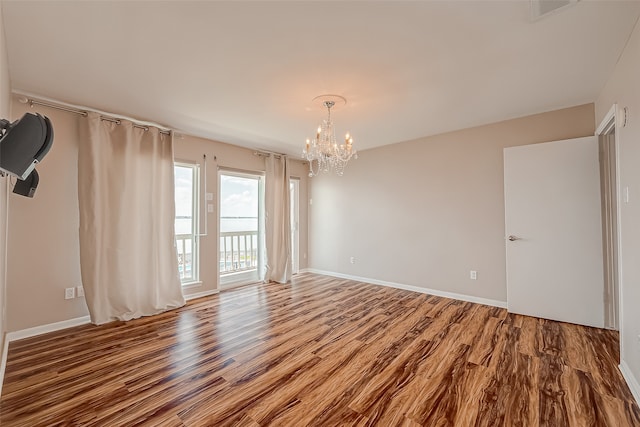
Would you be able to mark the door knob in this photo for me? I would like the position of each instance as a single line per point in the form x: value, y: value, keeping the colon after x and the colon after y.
x: 513, y: 238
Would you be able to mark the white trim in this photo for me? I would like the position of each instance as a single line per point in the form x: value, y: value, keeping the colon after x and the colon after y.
x: 70, y: 323
x: 239, y: 278
x: 191, y: 285
x: 78, y: 321
x: 606, y: 123
x: 631, y: 380
x: 243, y: 277
x: 201, y: 294
x: 3, y: 362
x: 195, y: 219
x: 452, y: 295
x: 50, y: 327
x: 57, y: 326
x: 3, y: 287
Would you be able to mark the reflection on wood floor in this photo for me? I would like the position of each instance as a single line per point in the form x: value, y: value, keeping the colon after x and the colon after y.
x: 320, y: 352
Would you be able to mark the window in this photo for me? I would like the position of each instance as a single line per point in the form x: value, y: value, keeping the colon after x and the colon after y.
x: 186, y: 223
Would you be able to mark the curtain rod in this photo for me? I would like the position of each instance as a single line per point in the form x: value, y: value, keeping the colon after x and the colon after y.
x: 267, y: 154
x: 84, y: 113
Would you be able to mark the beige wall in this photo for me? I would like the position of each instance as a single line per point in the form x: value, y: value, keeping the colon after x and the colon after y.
x: 4, y: 114
x: 44, y: 256
x: 426, y: 212
x: 43, y: 238
x: 623, y: 88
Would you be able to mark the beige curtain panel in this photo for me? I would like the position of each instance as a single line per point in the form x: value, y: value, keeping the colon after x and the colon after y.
x: 277, y: 222
x: 126, y: 198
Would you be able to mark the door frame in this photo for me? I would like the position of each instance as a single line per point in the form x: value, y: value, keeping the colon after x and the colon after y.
x: 613, y: 309
x: 242, y: 279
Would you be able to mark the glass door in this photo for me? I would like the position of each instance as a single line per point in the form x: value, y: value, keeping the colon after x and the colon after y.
x: 240, y: 227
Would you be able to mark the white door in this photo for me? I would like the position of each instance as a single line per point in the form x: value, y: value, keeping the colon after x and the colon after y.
x: 554, y: 231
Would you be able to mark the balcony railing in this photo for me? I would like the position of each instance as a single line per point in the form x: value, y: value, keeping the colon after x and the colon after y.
x: 238, y: 251
x: 184, y: 246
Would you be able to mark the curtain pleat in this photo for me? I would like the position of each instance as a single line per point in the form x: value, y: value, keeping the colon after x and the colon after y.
x: 128, y: 257
x: 277, y: 222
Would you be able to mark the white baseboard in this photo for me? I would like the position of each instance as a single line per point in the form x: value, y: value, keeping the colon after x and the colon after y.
x: 631, y: 380
x: 57, y: 326
x: 3, y: 362
x: 52, y: 327
x: 32, y: 332
x: 452, y: 295
x: 43, y: 329
x: 201, y: 294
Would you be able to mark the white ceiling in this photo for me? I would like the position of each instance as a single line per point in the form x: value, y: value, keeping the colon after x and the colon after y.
x: 246, y: 72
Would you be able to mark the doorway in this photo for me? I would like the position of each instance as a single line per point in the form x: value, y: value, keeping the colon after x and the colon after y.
x: 606, y: 133
x: 241, y: 227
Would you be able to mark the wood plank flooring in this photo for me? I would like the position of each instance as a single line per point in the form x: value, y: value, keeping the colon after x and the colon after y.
x: 320, y: 352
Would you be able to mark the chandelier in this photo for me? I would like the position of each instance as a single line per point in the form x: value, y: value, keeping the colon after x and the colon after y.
x: 324, y: 153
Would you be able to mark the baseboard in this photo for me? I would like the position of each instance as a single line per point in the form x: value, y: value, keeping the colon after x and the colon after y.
x: 43, y: 329
x: 3, y: 362
x: 452, y: 295
x: 52, y: 327
x: 201, y: 294
x: 32, y: 332
x: 631, y: 380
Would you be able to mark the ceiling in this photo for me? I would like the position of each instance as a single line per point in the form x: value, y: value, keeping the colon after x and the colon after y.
x: 246, y: 72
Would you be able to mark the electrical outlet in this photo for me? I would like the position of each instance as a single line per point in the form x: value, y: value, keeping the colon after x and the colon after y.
x: 79, y: 291
x: 352, y: 260
x: 473, y: 275
x: 69, y: 293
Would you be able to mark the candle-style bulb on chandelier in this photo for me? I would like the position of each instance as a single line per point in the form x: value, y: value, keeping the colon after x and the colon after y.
x: 323, y: 152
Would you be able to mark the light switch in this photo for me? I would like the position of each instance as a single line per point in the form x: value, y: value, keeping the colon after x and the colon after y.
x: 209, y: 196
x: 210, y: 207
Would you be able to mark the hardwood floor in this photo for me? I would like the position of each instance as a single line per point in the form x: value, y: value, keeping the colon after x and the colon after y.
x: 320, y: 352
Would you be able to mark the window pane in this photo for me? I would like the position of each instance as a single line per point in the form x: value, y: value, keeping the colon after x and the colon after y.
x: 239, y: 213
x: 184, y: 199
x: 238, y: 203
x: 185, y: 220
